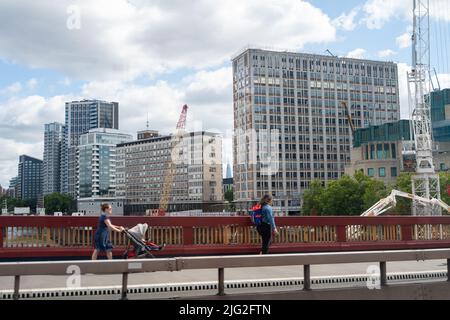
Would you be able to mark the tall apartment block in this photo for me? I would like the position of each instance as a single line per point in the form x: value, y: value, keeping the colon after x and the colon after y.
x: 29, y: 184
x: 96, y: 170
x: 142, y: 168
x: 80, y: 117
x: 290, y: 125
x: 53, y: 137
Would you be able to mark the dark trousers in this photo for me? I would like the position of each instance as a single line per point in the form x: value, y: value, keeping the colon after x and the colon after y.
x: 265, y: 231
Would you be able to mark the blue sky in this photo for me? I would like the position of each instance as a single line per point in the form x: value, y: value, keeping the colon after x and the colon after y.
x: 154, y: 56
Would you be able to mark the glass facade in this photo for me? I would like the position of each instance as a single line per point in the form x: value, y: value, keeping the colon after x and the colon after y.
x: 440, y: 115
x: 82, y: 116
x: 29, y: 185
x: 96, y: 175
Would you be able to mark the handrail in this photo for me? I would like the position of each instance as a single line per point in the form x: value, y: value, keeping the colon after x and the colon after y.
x: 124, y: 267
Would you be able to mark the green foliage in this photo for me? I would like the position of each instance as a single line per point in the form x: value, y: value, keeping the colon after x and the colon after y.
x: 57, y: 202
x: 444, y: 179
x: 312, y: 198
x: 345, y: 196
x: 354, y: 195
x: 13, y: 202
x: 229, y: 195
x: 342, y: 197
x: 404, y: 184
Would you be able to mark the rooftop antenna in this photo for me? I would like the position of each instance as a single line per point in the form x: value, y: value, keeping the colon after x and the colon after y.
x: 148, y: 125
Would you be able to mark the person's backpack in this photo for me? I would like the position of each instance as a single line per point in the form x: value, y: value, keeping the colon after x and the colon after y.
x: 256, y: 214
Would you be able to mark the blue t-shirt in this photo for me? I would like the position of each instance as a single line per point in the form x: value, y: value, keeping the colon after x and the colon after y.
x: 267, y: 214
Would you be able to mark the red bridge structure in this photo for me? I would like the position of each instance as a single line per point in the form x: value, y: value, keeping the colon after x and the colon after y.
x: 39, y: 237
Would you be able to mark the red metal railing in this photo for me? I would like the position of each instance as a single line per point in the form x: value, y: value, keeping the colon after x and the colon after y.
x: 25, y: 237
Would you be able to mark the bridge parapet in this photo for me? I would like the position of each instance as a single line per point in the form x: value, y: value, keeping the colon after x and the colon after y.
x: 73, y: 236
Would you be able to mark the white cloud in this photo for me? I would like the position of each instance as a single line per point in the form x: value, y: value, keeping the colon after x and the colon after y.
x: 386, y: 53
x: 380, y: 12
x: 12, y: 88
x: 346, y: 21
x: 32, y: 83
x: 125, y: 39
x: 208, y: 94
x: 404, y: 40
x: 357, y: 54
x: 444, y: 80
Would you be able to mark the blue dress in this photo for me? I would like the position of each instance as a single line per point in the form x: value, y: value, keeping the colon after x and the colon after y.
x: 101, y: 237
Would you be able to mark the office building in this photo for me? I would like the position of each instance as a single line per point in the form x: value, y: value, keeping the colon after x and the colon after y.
x: 291, y: 125
x: 440, y: 115
x: 197, y: 182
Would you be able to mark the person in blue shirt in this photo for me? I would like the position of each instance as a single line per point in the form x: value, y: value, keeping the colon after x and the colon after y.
x: 268, y: 226
x: 101, y: 237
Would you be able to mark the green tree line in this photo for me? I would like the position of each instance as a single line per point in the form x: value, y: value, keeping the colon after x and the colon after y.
x: 354, y: 195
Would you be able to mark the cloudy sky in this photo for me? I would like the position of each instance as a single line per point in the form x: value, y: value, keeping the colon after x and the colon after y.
x: 153, y: 56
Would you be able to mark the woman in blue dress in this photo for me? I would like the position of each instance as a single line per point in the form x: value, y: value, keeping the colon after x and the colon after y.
x: 101, y: 237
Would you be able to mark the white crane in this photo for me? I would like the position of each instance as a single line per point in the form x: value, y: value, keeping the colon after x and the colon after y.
x: 390, y: 202
x: 426, y: 195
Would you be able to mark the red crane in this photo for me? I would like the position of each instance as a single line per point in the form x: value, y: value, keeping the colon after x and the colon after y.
x: 170, y: 173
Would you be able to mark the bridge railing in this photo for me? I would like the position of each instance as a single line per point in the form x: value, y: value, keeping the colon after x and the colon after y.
x: 125, y: 267
x: 73, y: 236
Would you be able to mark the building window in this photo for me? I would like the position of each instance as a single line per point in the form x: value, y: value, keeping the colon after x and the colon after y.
x: 379, y: 151
x: 382, y: 172
x: 442, y: 167
x: 393, y: 172
x: 370, y: 172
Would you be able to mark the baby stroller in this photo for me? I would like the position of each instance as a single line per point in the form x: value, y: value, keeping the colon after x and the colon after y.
x: 138, y: 247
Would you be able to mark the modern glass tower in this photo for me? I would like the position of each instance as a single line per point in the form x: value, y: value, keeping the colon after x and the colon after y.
x: 96, y: 170
x: 291, y: 125
x: 29, y: 185
x: 53, y: 137
x: 82, y: 116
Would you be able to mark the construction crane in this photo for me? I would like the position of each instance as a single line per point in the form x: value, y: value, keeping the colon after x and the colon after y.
x: 390, y: 202
x: 175, y: 153
x: 425, y: 195
x: 349, y: 116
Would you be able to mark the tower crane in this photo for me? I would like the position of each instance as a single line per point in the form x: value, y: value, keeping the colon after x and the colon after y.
x: 175, y: 153
x: 425, y: 195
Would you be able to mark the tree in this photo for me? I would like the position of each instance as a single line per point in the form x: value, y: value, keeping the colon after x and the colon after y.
x: 312, y: 198
x: 229, y: 195
x: 342, y: 197
x: 57, y: 202
x: 444, y: 179
x: 13, y: 202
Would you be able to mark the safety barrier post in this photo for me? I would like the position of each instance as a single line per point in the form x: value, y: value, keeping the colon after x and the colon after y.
x: 16, y: 287
x: 383, y: 275
x: 124, y: 285
x: 221, y: 284
x: 306, y: 277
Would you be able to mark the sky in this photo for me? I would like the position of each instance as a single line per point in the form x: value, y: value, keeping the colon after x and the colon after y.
x: 154, y: 56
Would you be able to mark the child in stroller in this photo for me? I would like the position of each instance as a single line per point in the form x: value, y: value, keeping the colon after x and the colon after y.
x: 138, y: 247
